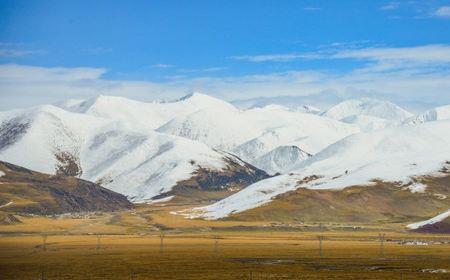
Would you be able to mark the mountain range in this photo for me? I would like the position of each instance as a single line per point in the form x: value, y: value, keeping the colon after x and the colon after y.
x: 240, y: 161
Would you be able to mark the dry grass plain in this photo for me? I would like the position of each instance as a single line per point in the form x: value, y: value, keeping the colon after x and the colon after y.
x: 130, y: 249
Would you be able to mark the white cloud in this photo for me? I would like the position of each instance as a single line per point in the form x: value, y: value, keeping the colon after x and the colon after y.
x: 427, y: 54
x: 98, y: 50
x: 8, y: 52
x: 275, y: 57
x: 443, y: 11
x: 420, y: 54
x: 312, y: 8
x: 390, y: 6
x: 21, y: 73
x: 162, y: 65
x: 419, y: 59
x: 22, y: 85
x: 418, y: 76
x: 203, y: 70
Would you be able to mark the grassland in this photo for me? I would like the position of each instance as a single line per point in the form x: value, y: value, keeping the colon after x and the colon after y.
x: 130, y: 248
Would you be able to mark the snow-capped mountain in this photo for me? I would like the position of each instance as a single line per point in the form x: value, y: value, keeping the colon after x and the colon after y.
x: 150, y: 115
x: 317, y: 102
x: 221, y: 129
x: 309, y: 135
x: 138, y: 163
x: 146, y: 150
x: 435, y: 114
x: 307, y: 109
x: 281, y: 159
x: 393, y: 155
x: 252, y: 133
x: 369, y: 107
x: 368, y: 123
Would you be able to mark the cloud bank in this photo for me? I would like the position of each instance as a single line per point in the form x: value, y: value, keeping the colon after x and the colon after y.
x: 415, y: 77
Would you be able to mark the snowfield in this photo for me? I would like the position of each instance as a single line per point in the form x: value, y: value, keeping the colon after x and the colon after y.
x: 391, y: 155
x: 253, y: 133
x: 280, y: 159
x: 369, y: 107
x: 149, y: 115
x: 437, y: 219
x: 435, y: 114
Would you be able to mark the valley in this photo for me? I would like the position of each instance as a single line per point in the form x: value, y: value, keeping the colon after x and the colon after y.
x: 127, y: 245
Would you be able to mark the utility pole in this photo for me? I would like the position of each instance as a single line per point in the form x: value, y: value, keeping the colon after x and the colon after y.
x: 321, y: 238
x: 161, y: 244
x: 382, y: 238
x: 42, y: 275
x: 98, y: 242
x: 132, y: 275
x: 44, y: 242
x: 216, y: 243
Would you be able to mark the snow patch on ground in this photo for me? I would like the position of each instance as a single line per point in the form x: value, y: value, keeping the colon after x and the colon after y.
x: 254, y: 195
x: 164, y: 199
x: 2, y: 173
x: 7, y: 204
x: 431, y: 221
x: 417, y: 187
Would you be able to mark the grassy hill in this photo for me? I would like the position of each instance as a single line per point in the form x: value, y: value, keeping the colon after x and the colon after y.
x: 382, y: 202
x: 26, y: 191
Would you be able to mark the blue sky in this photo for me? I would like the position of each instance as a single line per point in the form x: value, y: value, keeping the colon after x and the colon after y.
x: 232, y: 49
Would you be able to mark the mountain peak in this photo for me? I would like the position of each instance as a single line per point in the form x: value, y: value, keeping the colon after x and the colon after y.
x: 204, y: 101
x: 367, y: 106
x: 435, y: 114
x: 196, y: 96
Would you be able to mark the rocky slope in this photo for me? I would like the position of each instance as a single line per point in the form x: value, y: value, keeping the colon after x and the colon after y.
x: 30, y: 192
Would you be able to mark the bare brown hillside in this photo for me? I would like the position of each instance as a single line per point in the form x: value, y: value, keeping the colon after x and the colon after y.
x: 26, y: 191
x: 384, y: 202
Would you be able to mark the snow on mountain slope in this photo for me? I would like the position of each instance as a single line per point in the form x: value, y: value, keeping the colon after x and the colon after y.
x: 280, y: 159
x: 221, y: 129
x: 309, y: 133
x: 219, y: 124
x: 367, y: 106
x: 253, y: 196
x: 323, y: 100
x: 263, y: 144
x: 301, y: 109
x: 238, y: 131
x: 34, y: 138
x: 435, y: 114
x: 368, y: 123
x: 150, y: 115
x: 143, y: 166
x: 431, y: 221
x: 139, y: 164
x: 307, y: 109
x: 394, y: 155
